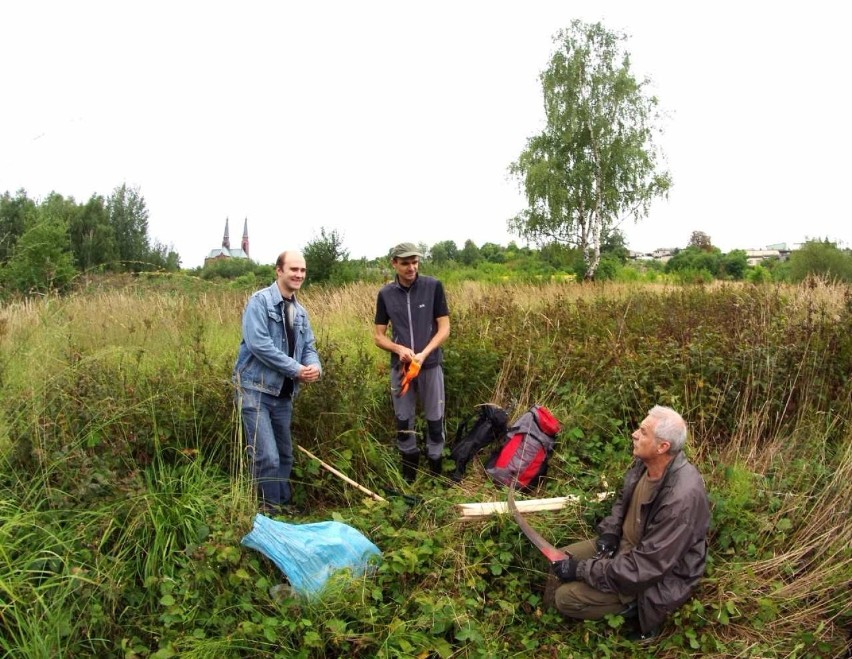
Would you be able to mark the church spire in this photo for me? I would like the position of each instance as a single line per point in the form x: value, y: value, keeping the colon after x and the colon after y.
x: 244, y: 244
x: 226, y: 241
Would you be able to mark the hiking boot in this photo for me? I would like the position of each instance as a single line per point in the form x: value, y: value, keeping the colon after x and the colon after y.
x: 291, y: 509
x: 268, y: 509
x: 409, y: 466
x: 642, y: 638
x: 435, y: 466
x: 631, y: 611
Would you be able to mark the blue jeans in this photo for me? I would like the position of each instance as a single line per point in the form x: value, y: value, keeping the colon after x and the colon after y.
x: 266, y: 420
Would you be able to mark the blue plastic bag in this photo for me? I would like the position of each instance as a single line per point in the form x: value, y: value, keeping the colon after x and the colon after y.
x: 309, y: 553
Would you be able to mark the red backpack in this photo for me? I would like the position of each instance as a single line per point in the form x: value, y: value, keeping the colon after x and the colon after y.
x: 522, y: 459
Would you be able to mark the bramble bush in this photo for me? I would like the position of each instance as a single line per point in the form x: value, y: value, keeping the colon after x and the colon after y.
x: 123, y: 492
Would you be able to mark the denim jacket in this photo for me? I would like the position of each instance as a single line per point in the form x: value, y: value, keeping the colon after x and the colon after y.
x: 263, y: 360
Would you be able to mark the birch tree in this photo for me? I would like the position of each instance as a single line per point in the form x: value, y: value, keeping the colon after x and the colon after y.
x: 596, y: 163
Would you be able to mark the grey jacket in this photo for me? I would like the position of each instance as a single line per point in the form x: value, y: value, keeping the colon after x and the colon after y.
x: 263, y: 360
x: 666, y: 565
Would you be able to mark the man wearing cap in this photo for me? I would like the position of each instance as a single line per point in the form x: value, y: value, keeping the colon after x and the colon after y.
x: 415, y: 307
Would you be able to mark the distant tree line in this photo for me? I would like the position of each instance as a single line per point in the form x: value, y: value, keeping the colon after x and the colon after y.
x: 45, y: 245
x: 699, y: 262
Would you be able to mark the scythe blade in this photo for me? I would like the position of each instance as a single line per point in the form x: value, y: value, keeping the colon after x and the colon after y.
x: 551, y: 553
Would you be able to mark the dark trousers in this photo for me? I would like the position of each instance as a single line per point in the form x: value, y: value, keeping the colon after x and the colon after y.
x: 577, y: 599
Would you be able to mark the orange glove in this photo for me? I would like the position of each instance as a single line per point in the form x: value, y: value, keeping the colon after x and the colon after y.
x: 409, y: 372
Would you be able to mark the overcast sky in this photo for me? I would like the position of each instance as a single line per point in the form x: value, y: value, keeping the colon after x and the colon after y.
x: 397, y: 121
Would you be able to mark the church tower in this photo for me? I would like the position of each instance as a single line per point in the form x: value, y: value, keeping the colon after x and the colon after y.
x: 244, y: 244
x: 226, y: 241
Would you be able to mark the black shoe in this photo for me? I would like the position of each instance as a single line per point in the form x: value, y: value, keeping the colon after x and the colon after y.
x: 289, y: 509
x: 409, y: 466
x: 269, y: 509
x: 435, y: 465
x: 640, y: 637
x: 631, y: 611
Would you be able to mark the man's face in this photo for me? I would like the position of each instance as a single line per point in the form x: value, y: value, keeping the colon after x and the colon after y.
x: 645, y: 444
x: 291, y: 274
x: 406, y: 269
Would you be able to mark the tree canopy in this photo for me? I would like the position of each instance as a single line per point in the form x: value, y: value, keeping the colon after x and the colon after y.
x: 43, y: 245
x: 325, y: 255
x: 823, y: 258
x: 596, y: 162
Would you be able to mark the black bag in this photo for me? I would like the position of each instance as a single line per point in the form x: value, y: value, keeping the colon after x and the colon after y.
x: 490, y: 424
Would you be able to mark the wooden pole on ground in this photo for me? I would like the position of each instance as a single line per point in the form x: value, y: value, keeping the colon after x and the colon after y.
x: 346, y: 478
x: 529, y: 506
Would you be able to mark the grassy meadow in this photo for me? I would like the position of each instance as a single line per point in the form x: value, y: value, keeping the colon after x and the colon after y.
x: 124, y: 496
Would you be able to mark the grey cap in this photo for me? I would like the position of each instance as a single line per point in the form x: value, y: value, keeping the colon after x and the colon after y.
x: 404, y: 250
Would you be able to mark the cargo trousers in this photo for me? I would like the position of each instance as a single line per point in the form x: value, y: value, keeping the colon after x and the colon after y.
x: 577, y: 599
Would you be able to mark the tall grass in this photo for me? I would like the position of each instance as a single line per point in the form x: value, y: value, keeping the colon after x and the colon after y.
x: 124, y: 490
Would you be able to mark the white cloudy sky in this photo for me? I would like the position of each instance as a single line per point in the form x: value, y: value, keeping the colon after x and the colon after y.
x: 392, y: 121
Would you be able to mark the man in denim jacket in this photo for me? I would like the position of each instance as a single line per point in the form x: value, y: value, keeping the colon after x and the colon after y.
x: 277, y: 353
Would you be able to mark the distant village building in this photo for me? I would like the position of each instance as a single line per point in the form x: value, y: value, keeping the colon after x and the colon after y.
x: 662, y: 254
x: 778, y: 252
x: 755, y: 256
x: 225, y: 251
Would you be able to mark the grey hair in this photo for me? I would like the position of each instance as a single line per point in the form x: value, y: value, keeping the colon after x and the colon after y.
x: 670, y: 427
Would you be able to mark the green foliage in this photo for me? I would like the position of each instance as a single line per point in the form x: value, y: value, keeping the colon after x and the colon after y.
x: 228, y: 269
x: 99, y: 235
x: 92, y: 236
x: 562, y: 257
x: 614, y: 244
x: 695, y: 259
x: 470, y: 254
x: 14, y: 214
x: 596, y: 161
x: 123, y: 491
x: 41, y: 261
x: 128, y: 217
x: 821, y: 258
x: 163, y: 257
x: 700, y: 240
x: 444, y: 251
x: 733, y: 265
x: 324, y: 256
x: 758, y: 275
x: 493, y: 253
x: 703, y: 264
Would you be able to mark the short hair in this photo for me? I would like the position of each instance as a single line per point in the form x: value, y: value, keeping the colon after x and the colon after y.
x: 670, y: 427
x: 282, y: 258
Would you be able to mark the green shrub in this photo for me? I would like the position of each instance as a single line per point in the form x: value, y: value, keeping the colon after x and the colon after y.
x: 123, y: 492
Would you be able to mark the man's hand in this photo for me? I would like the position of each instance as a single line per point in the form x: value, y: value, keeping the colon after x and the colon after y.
x: 606, y: 545
x: 406, y: 354
x: 565, y: 570
x: 309, y: 374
